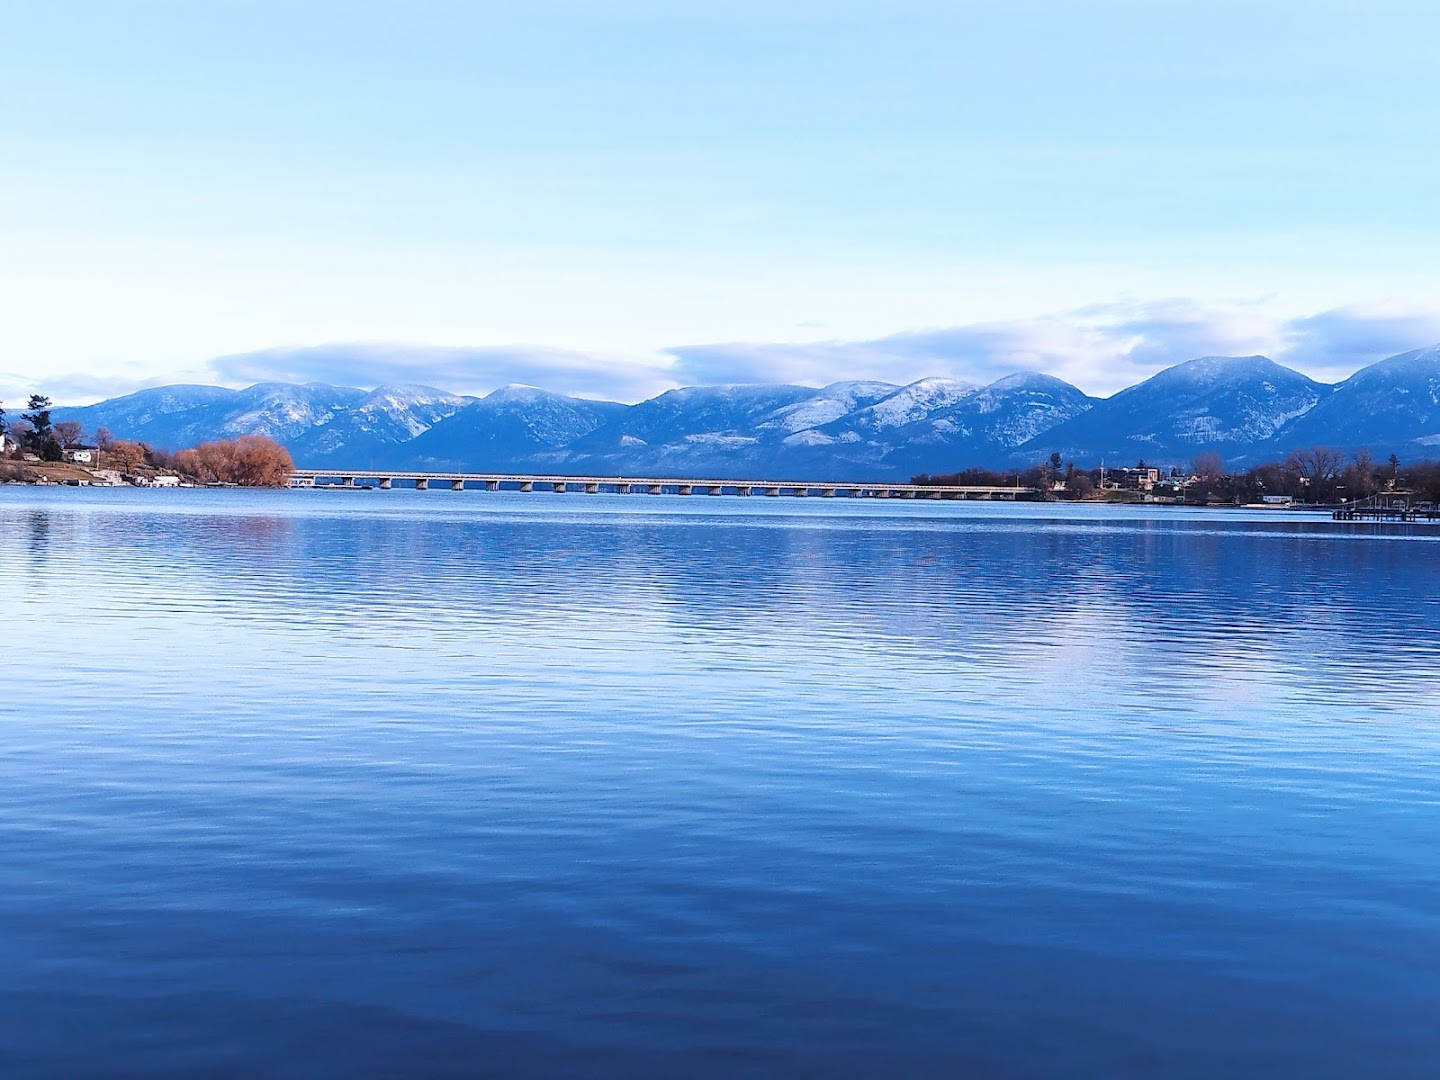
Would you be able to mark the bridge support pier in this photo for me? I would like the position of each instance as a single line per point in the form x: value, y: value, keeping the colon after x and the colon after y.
x: 384, y: 483
x: 742, y: 489
x: 421, y: 484
x: 558, y: 486
x: 622, y: 489
x: 592, y: 489
x: 653, y: 489
x: 772, y: 491
x: 684, y: 489
x: 492, y: 485
x: 527, y: 485
x: 714, y: 489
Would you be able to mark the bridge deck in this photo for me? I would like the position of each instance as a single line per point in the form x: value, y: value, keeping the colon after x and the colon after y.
x: 347, y: 477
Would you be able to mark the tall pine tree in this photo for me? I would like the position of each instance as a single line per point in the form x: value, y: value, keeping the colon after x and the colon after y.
x: 41, y: 437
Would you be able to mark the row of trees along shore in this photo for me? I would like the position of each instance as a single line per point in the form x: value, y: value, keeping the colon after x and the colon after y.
x: 1319, y: 475
x: 249, y: 461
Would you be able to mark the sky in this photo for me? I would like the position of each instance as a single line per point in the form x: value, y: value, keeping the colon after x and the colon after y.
x: 613, y: 198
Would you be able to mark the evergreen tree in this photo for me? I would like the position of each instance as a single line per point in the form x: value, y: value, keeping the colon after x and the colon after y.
x: 41, y: 437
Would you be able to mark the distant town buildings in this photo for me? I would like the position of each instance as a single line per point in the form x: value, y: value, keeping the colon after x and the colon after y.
x: 1137, y: 478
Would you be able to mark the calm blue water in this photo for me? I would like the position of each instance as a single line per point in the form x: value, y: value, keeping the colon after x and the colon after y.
x: 424, y: 783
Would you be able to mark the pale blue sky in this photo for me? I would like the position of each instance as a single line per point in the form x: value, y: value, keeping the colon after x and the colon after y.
x: 610, y: 198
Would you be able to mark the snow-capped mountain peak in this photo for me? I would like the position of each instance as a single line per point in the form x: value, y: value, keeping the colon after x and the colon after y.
x: 915, y: 402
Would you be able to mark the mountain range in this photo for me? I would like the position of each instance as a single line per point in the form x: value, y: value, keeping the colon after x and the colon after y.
x: 1247, y: 409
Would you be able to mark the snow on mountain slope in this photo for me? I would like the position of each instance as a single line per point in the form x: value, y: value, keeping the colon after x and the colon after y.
x: 403, y: 412
x: 1011, y: 411
x: 828, y: 404
x: 1226, y: 403
x: 1384, y: 408
x: 286, y: 412
x: 676, y: 414
x: 509, y: 427
x: 940, y: 424
x: 314, y: 419
x: 156, y: 416
x: 911, y: 403
x: 386, y: 417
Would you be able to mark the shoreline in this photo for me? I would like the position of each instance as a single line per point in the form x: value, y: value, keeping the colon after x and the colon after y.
x: 1305, y: 510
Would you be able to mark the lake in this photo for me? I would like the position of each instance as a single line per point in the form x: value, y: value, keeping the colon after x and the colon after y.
x: 311, y: 783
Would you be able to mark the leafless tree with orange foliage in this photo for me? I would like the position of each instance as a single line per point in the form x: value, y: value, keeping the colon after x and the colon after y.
x: 124, y: 455
x: 250, y: 461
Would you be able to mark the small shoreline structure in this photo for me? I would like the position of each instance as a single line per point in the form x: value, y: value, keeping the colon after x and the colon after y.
x: 1376, y: 508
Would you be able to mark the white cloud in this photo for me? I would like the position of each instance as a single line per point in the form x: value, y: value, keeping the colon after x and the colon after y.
x: 1333, y: 344
x: 1100, y: 348
x: 461, y: 370
x: 74, y: 388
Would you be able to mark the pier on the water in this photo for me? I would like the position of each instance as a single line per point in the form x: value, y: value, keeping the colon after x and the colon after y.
x: 625, y: 485
x: 1377, y: 508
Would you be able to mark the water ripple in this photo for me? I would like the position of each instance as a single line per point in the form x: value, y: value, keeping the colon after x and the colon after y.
x: 299, y: 782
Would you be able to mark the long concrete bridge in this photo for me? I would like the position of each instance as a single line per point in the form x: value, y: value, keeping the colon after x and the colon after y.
x: 624, y: 485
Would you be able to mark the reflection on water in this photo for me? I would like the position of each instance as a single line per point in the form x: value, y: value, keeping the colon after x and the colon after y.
x: 411, y: 782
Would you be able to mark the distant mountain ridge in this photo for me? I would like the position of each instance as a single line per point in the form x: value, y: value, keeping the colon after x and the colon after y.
x: 1247, y: 409
x: 1228, y: 404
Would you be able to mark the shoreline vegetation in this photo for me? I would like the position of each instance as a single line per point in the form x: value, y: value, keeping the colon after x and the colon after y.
x: 1320, y: 477
x: 36, y: 450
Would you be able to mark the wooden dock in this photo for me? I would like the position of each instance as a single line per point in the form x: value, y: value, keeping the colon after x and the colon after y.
x: 1377, y: 508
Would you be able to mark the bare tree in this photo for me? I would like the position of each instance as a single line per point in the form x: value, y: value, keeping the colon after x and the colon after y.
x: 250, y: 461
x: 69, y: 433
x: 1318, y: 463
x: 20, y: 434
x: 1359, y: 476
x: 125, y: 456
x: 1317, y: 469
x: 1208, y: 466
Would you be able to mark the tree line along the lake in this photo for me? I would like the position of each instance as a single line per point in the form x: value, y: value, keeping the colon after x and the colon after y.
x: 34, y: 442
x: 1318, y: 475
